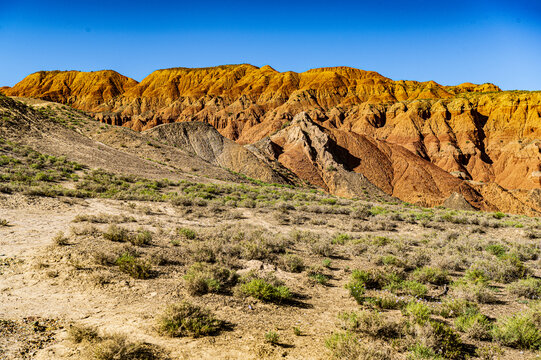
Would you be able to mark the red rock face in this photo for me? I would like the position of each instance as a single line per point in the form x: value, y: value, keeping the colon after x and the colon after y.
x: 473, y: 132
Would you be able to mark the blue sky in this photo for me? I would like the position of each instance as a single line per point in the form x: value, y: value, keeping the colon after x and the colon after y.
x: 450, y: 42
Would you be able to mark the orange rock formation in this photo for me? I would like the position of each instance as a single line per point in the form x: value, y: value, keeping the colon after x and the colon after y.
x: 472, y: 132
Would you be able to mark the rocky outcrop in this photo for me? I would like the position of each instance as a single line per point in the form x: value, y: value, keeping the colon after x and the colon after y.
x: 205, y: 142
x: 458, y: 202
x: 309, y: 151
x: 350, y: 165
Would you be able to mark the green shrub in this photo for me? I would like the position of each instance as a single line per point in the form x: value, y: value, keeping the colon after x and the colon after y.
x: 498, y: 215
x: 529, y: 288
x: 387, y: 301
x: 328, y: 201
x: 391, y: 260
x: 447, y: 341
x: 260, y: 289
x: 371, y: 323
x: 116, y: 346
x: 187, y: 233
x: 451, y: 308
x: 476, y: 275
x: 318, y: 277
x: 356, y: 289
x: 475, y: 325
x: 134, y: 267
x: 204, y: 278
x: 340, y: 239
x: 419, y: 311
x: 292, y: 263
x: 497, y: 249
x: 272, y: 337
x: 186, y: 319
x: 117, y: 233
x: 143, y: 237
x: 478, y: 292
x: 518, y: 331
x: 414, y: 288
x: 377, y: 279
x: 428, y: 275
x: 326, y: 263
x: 420, y: 351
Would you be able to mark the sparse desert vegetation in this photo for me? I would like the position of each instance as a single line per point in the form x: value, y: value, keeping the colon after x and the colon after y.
x: 200, y: 267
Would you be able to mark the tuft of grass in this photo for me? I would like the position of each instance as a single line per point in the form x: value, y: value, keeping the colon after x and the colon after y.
x: 371, y: 323
x: 204, y: 278
x: 475, y: 325
x: 507, y: 268
x: 187, y: 233
x: 117, y: 346
x: 143, y: 237
x: 60, y: 239
x: 489, y: 352
x: 497, y: 249
x: 387, y: 301
x: 413, y: 288
x: 326, y: 263
x: 356, y: 288
x: 186, y: 319
x: 340, y: 239
x: 420, y: 351
x: 518, y: 331
x: 429, y: 275
x: 272, y: 337
x: 80, y: 333
x: 446, y: 341
x: 4, y: 222
x: 529, y: 288
x: 318, y: 277
x: 451, y: 308
x: 478, y: 292
x: 347, y: 345
x: 418, y: 311
x: 322, y: 248
x: 260, y: 289
x: 136, y: 268
x: 117, y: 233
x: 292, y: 263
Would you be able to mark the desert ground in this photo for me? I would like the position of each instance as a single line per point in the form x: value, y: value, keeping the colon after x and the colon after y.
x: 117, y: 246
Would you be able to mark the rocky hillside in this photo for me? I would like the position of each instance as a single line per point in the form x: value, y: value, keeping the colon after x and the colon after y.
x: 475, y: 133
x: 82, y: 90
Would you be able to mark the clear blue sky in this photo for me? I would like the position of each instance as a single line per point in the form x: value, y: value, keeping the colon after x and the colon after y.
x: 447, y: 41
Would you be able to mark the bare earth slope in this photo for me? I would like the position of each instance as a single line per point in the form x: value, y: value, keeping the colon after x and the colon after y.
x: 115, y: 149
x: 206, y: 142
